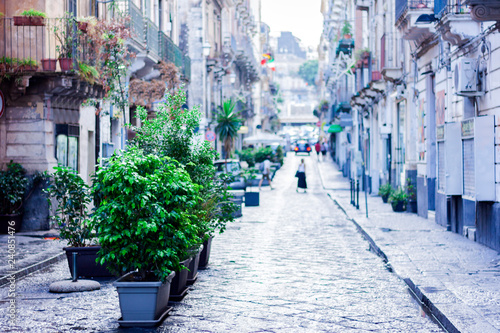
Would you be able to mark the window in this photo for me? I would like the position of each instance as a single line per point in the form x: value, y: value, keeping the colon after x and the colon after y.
x: 67, y: 145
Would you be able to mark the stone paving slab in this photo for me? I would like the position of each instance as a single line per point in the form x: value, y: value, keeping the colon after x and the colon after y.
x: 461, y: 278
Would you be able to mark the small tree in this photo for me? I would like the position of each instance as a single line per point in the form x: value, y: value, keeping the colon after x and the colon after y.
x: 308, y: 71
x: 228, y: 124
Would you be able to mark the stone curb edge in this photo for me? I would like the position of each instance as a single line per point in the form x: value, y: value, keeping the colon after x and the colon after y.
x: 32, y: 268
x: 438, y: 316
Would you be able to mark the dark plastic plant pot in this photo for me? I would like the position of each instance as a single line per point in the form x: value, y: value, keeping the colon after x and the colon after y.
x: 14, y: 221
x: 399, y: 206
x: 86, y: 262
x: 142, y: 300
x: 412, y: 206
x: 385, y: 198
x: 178, y: 286
x: 193, y: 267
x: 251, y: 199
x: 205, y: 253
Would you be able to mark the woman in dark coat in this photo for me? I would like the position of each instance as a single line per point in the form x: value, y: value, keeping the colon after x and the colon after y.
x: 301, y: 174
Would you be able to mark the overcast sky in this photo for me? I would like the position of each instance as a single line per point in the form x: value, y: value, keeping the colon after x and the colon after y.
x: 302, y: 17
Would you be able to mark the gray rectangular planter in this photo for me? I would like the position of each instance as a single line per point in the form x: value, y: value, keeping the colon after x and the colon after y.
x: 143, y: 303
x: 178, y: 286
x: 193, y: 267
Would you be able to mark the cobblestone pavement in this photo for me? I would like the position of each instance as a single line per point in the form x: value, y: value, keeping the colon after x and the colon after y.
x: 458, y: 276
x: 293, y: 264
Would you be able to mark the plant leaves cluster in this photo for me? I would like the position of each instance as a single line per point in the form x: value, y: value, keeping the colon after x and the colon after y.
x: 73, y: 198
x: 13, y: 186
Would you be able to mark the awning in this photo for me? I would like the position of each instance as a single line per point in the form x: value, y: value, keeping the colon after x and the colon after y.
x: 335, y: 128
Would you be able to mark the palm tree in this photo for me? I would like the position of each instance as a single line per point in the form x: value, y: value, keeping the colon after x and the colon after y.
x: 228, y: 124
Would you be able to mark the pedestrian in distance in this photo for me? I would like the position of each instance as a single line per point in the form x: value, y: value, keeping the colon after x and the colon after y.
x: 301, y: 175
x: 324, y: 149
x: 317, y: 147
x: 266, y: 172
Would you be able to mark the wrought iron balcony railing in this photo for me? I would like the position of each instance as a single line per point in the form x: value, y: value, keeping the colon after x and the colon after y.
x: 39, y: 47
x: 403, y: 6
x: 444, y: 7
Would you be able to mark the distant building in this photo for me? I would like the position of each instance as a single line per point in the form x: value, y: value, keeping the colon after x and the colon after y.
x: 289, y: 44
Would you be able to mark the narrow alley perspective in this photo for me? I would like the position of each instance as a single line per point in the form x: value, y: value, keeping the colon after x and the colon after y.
x: 293, y: 264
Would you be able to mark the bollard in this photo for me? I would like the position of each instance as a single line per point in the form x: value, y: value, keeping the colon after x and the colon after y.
x: 357, y: 194
x: 350, y: 184
x: 75, y: 271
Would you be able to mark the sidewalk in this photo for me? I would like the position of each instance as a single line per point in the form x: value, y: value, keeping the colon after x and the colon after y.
x: 33, y: 251
x: 456, y: 278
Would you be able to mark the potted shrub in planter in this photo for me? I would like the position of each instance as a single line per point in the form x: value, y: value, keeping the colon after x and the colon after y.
x: 28, y: 65
x: 412, y: 196
x: 251, y: 198
x: 385, y: 191
x: 30, y: 17
x: 65, y: 40
x: 13, y: 186
x: 72, y: 216
x: 145, y: 226
x: 398, y: 200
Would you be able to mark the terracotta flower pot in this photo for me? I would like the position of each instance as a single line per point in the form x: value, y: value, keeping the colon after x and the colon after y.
x: 66, y: 64
x: 83, y: 26
x: 29, y: 21
x: 49, y: 65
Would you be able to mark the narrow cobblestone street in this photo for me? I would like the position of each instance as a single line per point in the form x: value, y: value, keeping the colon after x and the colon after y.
x: 293, y: 264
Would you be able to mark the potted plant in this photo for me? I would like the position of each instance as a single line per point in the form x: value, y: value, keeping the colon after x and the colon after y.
x: 7, y: 63
x: 73, y: 198
x: 13, y: 186
x: 88, y: 73
x: 346, y: 30
x: 64, y: 35
x: 146, y: 224
x: 412, y: 196
x: 49, y: 65
x: 398, y: 200
x: 30, y: 17
x: 28, y: 64
x: 385, y: 191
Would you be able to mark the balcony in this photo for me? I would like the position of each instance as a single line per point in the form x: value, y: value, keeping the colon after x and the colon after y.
x: 407, y: 12
x: 169, y: 52
x: 245, y: 59
x: 455, y: 24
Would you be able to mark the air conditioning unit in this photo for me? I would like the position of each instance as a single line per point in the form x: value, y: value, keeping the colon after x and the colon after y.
x: 466, y: 76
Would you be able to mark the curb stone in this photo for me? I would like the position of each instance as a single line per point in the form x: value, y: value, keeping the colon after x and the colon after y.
x: 32, y: 268
x: 438, y: 316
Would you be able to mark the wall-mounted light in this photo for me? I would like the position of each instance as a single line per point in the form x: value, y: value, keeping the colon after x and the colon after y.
x: 232, y: 78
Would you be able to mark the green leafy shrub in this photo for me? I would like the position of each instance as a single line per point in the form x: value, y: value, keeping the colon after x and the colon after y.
x: 33, y: 12
x: 397, y: 196
x: 385, y: 190
x: 73, y: 198
x: 280, y: 155
x: 410, y: 190
x: 248, y: 156
x: 262, y: 153
x: 146, y: 219
x: 13, y: 186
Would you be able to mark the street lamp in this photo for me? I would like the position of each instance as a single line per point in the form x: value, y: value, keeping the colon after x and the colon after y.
x: 232, y: 78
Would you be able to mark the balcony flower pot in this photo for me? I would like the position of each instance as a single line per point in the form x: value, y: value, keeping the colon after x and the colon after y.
x: 14, y: 221
x: 142, y: 303
x: 66, y: 64
x: 49, y: 65
x: 205, y: 253
x: 83, y: 26
x: 87, y: 267
x: 178, y: 286
x: 28, y: 68
x: 29, y: 21
x: 193, y: 267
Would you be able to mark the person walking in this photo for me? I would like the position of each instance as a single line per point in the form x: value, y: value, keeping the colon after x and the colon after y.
x: 324, y: 149
x: 266, y: 172
x: 317, y: 147
x: 301, y: 174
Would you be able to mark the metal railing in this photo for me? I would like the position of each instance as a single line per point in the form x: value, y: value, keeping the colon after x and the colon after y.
x: 402, y: 6
x: 136, y: 22
x: 37, y: 48
x: 444, y: 7
x: 152, y: 37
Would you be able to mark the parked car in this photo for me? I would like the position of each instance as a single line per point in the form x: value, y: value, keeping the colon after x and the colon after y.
x: 302, y: 146
x: 233, y: 168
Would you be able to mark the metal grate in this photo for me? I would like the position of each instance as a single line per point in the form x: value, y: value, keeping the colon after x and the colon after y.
x: 469, y: 171
x: 441, y: 170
